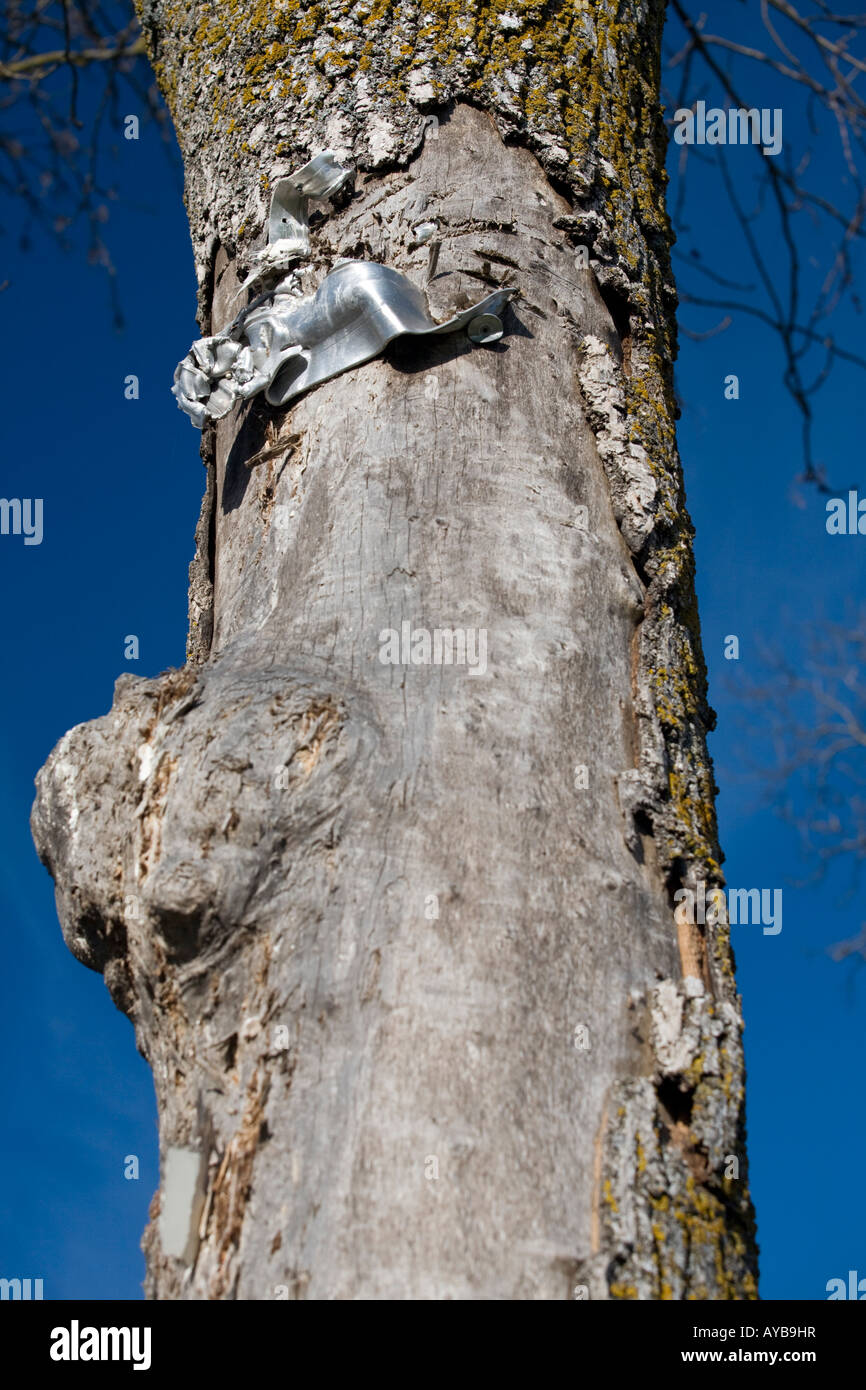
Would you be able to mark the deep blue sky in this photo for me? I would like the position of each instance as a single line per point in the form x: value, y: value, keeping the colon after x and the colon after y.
x: 121, y: 482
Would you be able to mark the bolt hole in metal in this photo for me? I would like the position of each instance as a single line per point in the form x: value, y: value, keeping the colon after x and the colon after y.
x: 486, y: 328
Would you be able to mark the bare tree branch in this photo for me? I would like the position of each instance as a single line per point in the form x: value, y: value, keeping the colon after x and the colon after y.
x: 53, y: 127
x: 39, y: 63
x: 826, y: 70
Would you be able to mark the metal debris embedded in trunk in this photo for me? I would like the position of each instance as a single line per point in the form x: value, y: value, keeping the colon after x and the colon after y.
x: 284, y: 342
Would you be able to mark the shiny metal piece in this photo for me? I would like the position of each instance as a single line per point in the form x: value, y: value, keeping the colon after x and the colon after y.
x: 284, y: 343
x: 357, y: 310
x: 485, y: 328
x: 288, y: 223
x: 290, y: 343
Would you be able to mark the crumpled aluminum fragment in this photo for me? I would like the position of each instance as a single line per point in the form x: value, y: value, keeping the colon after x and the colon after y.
x: 321, y: 178
x: 356, y: 311
x: 284, y: 343
x: 291, y: 343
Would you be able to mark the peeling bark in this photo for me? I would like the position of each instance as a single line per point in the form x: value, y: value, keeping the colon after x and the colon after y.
x: 399, y: 941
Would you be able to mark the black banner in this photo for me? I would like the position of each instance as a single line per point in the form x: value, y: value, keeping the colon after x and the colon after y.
x: 82, y: 1339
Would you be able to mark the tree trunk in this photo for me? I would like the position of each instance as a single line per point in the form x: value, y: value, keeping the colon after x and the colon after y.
x: 398, y: 939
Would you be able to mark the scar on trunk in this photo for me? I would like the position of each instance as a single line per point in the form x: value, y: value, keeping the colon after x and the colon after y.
x: 597, y: 1159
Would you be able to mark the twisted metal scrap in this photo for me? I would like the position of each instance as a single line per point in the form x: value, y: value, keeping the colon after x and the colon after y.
x: 284, y: 342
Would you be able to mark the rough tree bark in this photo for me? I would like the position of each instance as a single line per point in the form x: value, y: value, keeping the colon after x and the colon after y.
x: 421, y: 1019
